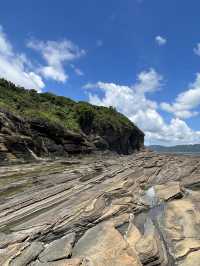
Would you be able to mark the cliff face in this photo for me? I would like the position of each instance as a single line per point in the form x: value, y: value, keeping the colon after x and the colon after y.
x: 36, y: 125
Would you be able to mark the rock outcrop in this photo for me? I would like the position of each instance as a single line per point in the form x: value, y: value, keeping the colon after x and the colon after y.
x: 26, y: 140
x: 34, y: 125
x: 30, y: 139
x: 141, y: 209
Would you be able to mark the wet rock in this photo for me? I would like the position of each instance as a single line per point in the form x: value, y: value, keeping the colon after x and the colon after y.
x: 58, y: 249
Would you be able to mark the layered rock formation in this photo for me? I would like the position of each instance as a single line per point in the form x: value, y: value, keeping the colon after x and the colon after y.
x: 36, y: 125
x: 30, y: 139
x: 141, y: 209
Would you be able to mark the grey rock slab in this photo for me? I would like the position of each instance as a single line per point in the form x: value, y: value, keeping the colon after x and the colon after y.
x: 7, y: 239
x: 27, y: 255
x: 58, y: 249
x: 6, y: 254
x: 65, y: 262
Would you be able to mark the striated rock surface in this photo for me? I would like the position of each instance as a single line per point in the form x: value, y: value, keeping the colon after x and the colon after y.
x: 141, y: 209
x: 28, y: 254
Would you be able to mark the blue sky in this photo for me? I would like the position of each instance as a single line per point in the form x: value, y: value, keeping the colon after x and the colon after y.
x: 141, y: 56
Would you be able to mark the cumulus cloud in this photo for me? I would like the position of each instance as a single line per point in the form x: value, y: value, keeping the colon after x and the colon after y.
x: 16, y: 67
x: 128, y: 99
x: 56, y: 55
x: 160, y: 40
x: 176, y: 132
x: 133, y: 102
x: 186, y: 102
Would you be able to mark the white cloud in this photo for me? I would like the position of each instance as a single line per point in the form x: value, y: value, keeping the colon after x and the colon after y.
x: 16, y: 67
x: 186, y: 101
x: 52, y: 72
x: 197, y: 49
x: 77, y: 70
x: 133, y: 102
x: 160, y: 40
x: 128, y: 99
x: 56, y: 55
x: 176, y: 132
x: 148, y: 81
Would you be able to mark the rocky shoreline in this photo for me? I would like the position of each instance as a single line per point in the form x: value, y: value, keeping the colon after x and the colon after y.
x: 140, y: 209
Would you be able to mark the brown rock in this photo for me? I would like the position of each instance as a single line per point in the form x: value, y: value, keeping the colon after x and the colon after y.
x: 182, y: 228
x: 103, y: 245
x: 168, y: 191
x: 149, y: 251
x: 133, y: 235
x: 193, y: 259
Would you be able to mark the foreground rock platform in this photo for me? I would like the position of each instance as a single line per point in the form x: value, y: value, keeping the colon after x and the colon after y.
x: 142, y: 209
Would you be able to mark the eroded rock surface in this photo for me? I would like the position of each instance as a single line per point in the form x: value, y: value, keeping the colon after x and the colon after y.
x: 58, y: 249
x: 104, y: 245
x: 142, y: 209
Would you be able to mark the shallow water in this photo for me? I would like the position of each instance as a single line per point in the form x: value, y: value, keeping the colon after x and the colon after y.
x: 150, y: 220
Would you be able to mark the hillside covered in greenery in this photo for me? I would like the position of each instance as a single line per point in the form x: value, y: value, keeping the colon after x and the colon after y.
x: 58, y: 109
x: 50, y: 124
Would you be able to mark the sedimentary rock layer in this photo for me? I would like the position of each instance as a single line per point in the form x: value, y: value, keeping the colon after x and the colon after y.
x: 141, y: 209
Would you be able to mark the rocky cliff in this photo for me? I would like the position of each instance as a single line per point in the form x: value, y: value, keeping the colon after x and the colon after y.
x: 36, y: 125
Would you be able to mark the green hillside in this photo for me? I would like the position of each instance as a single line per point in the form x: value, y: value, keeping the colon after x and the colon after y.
x: 60, y: 110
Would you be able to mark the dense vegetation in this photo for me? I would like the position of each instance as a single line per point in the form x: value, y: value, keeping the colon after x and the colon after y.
x: 60, y: 110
